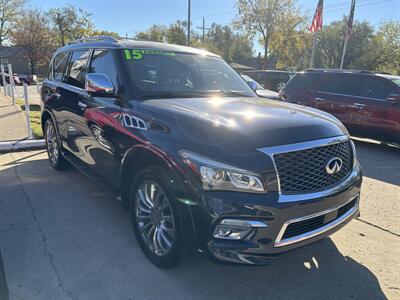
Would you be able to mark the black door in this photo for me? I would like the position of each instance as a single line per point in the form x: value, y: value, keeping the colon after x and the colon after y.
x: 102, y: 118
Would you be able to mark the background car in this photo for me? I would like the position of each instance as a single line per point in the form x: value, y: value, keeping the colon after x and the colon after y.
x: 260, y: 91
x: 27, y: 78
x: 367, y: 103
x: 7, y: 78
x: 270, y: 79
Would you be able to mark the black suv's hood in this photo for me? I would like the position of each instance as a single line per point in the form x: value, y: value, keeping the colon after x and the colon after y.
x: 244, y: 122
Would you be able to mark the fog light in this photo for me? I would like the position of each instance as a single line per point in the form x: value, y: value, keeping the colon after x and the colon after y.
x: 232, y: 229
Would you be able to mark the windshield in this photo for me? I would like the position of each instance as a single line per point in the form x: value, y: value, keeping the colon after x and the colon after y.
x: 249, y: 79
x: 167, y: 74
x: 396, y: 81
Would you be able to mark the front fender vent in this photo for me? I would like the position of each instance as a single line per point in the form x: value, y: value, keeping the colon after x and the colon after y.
x: 130, y: 121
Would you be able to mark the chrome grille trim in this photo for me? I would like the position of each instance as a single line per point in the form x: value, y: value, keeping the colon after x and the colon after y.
x: 350, y: 178
x: 279, y: 242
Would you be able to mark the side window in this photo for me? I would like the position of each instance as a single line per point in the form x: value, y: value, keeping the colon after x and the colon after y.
x: 77, y: 68
x: 50, y: 71
x: 342, y: 84
x: 59, y: 66
x: 103, y: 62
x: 376, y: 88
x: 303, y: 80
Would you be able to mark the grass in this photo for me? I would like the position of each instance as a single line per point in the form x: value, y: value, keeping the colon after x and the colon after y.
x: 34, y: 111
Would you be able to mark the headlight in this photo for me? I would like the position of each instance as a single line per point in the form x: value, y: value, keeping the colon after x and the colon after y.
x: 219, y: 176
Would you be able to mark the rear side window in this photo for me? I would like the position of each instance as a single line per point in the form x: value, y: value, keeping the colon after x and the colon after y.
x: 103, y: 62
x: 302, y: 80
x: 77, y: 68
x: 342, y: 84
x: 376, y: 88
x: 59, y: 66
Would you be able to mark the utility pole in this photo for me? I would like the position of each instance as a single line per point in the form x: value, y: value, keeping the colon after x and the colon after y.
x: 188, y: 33
x: 203, y: 28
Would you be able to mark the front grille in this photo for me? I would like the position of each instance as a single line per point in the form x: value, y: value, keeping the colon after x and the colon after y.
x: 302, y: 227
x: 304, y: 171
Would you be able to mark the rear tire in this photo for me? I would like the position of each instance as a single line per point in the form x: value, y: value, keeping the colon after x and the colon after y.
x: 156, y: 219
x: 53, y: 146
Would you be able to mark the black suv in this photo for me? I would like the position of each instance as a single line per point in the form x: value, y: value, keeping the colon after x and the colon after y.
x: 198, y: 159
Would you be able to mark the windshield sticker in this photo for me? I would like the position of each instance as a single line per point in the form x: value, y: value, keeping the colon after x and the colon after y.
x: 138, y: 53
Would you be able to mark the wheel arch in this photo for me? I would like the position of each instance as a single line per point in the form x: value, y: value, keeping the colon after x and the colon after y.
x: 140, y: 157
x: 46, y: 114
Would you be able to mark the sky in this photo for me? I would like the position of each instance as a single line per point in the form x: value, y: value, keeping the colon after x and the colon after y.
x: 131, y: 16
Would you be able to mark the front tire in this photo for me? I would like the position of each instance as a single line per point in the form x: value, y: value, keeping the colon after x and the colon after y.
x: 53, y: 146
x: 156, y: 218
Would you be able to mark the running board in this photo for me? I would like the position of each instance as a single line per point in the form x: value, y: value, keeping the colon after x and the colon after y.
x: 103, y: 184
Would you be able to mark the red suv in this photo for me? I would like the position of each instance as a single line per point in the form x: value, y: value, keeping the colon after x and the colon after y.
x: 367, y: 103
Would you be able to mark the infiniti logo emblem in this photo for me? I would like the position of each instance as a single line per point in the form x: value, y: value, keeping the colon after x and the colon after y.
x: 333, y: 165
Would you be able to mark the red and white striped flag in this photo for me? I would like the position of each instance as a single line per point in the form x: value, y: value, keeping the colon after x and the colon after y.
x: 317, y: 20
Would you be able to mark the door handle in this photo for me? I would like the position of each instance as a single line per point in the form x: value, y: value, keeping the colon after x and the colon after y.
x: 81, y: 104
x: 358, y: 105
x: 319, y: 99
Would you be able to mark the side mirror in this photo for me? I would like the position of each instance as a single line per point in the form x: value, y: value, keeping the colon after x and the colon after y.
x: 99, y: 84
x: 393, y: 97
x: 253, y: 85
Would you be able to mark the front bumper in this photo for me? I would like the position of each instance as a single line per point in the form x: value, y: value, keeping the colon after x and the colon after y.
x: 264, y: 243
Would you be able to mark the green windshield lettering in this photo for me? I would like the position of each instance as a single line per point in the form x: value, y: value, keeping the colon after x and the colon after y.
x: 128, y: 55
x: 138, y: 53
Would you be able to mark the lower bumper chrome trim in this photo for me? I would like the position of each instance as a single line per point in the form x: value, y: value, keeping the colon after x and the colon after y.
x: 284, y: 242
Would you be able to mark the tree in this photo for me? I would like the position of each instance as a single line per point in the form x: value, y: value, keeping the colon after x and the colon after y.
x: 173, y: 34
x: 176, y: 34
x: 69, y: 23
x: 266, y: 18
x: 291, y: 45
x: 330, y: 46
x: 387, y: 42
x: 232, y: 47
x: 9, y: 10
x: 33, y: 36
x: 104, y: 32
x: 155, y: 33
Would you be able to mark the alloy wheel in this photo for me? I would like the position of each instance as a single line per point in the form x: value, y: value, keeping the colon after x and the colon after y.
x: 154, y: 218
x: 52, y: 143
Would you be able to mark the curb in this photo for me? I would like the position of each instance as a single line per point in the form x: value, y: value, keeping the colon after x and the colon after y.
x: 22, y: 145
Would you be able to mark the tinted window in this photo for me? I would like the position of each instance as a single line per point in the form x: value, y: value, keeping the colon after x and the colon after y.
x: 59, y: 65
x: 342, y: 84
x: 376, y: 88
x: 77, y: 68
x: 303, y: 80
x: 103, y: 62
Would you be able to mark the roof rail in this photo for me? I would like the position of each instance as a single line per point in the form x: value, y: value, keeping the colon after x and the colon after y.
x: 104, y: 38
x: 339, y: 70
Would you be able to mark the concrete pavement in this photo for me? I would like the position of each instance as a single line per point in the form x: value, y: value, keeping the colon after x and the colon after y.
x: 12, y: 121
x: 62, y: 238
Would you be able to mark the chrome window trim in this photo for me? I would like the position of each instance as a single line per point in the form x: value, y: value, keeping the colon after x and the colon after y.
x: 280, y: 243
x: 271, y: 151
x: 348, y: 95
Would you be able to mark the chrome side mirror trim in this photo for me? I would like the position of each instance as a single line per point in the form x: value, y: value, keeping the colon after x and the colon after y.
x: 99, y: 83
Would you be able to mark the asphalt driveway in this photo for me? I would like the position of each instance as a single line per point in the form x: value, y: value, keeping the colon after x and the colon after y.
x: 62, y: 238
